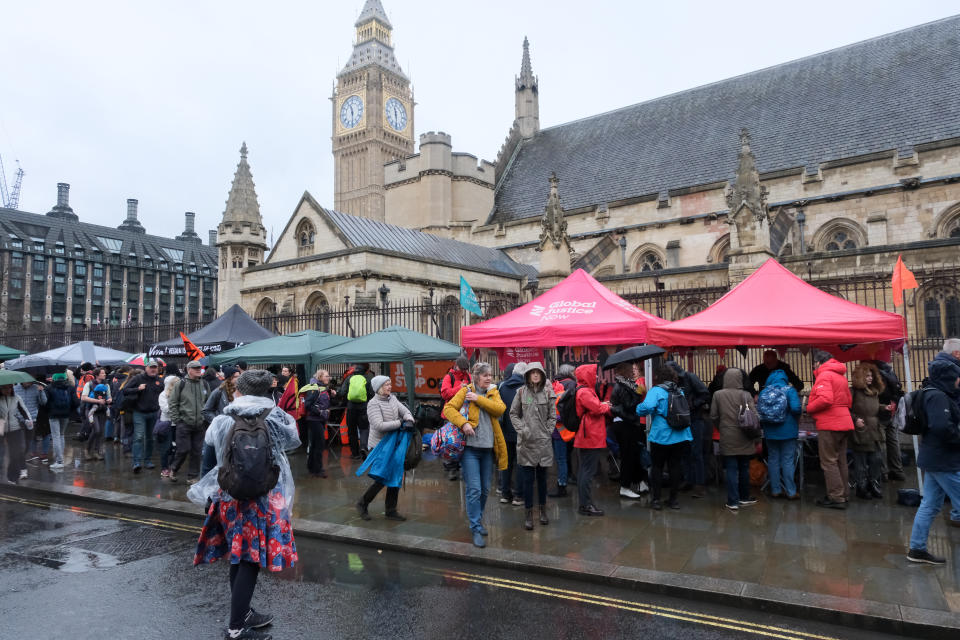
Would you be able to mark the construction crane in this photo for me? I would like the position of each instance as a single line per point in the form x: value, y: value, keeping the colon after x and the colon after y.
x: 11, y: 199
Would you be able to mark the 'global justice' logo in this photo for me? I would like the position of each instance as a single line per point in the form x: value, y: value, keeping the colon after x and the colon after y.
x: 562, y: 309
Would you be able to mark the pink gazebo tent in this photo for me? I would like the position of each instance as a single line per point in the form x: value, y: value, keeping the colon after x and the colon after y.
x: 579, y: 311
x: 775, y: 308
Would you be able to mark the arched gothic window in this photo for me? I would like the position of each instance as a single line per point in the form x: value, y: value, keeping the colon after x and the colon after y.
x: 650, y: 261
x: 449, y: 320
x: 689, y: 307
x: 318, y: 307
x: 306, y: 234
x: 839, y: 241
x: 941, y: 314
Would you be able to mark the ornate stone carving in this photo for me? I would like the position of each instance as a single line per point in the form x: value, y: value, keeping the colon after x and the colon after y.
x: 553, y: 228
x: 747, y: 200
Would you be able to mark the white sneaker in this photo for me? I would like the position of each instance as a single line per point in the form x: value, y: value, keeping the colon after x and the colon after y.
x: 625, y: 492
x: 642, y: 487
x: 56, y: 466
x: 23, y: 474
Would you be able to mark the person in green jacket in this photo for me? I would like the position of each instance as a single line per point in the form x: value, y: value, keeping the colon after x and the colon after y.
x: 186, y: 413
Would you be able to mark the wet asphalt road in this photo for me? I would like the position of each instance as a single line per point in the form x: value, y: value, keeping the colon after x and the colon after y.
x: 96, y: 572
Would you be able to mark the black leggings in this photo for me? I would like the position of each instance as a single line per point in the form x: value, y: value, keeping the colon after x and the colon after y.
x: 672, y: 455
x: 243, y: 578
x: 527, y: 476
x: 393, y: 494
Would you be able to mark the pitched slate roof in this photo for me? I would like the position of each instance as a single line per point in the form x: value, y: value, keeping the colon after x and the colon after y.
x: 110, y: 241
x: 889, y: 93
x: 363, y: 232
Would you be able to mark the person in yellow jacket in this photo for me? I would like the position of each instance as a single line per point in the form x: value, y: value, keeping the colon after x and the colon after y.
x: 484, y: 441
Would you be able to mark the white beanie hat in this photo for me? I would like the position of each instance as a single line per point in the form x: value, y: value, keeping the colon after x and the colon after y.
x: 377, y: 382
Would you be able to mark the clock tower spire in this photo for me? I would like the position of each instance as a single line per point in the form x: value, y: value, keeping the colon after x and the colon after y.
x: 372, y: 116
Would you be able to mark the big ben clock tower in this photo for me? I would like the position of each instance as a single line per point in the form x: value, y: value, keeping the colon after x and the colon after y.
x: 372, y: 116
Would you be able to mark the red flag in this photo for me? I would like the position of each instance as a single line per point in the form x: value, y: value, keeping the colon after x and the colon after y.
x: 902, y: 279
x: 290, y: 400
x: 193, y: 353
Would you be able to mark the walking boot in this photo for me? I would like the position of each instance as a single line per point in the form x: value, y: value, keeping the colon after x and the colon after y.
x: 543, y: 515
x: 528, y: 523
x: 874, y: 489
x: 862, y: 492
x: 362, y: 510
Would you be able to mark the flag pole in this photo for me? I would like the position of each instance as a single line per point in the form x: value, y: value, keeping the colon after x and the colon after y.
x: 909, y: 376
x: 903, y: 279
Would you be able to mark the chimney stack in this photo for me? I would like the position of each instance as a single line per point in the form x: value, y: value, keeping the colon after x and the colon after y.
x: 63, y: 194
x: 189, y: 235
x: 62, y: 209
x: 213, y: 237
x: 131, y: 223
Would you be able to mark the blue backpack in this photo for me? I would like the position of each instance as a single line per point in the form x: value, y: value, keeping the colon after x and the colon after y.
x: 772, y: 405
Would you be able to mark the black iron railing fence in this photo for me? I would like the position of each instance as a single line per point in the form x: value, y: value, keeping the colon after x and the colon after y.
x: 932, y: 312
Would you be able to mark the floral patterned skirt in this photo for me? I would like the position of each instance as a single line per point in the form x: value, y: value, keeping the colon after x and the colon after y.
x: 250, y: 531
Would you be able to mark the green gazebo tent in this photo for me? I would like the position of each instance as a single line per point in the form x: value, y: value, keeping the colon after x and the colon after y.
x: 296, y: 348
x: 9, y: 353
x: 393, y: 344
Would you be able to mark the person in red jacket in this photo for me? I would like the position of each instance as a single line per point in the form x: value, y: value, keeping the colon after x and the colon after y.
x: 455, y: 379
x: 591, y: 438
x: 829, y: 405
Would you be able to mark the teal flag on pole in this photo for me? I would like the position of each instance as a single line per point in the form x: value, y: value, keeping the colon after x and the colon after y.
x: 468, y: 299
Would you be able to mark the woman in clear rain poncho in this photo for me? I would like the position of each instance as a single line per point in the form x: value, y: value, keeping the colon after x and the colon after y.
x: 251, y: 533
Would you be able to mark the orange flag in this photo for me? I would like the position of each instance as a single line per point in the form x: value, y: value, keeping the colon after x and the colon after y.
x: 902, y: 279
x: 193, y: 353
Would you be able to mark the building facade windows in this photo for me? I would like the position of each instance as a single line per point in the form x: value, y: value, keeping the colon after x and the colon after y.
x: 650, y: 261
x: 941, y: 314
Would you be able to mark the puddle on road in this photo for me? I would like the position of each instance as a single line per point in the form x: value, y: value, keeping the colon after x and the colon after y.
x: 66, y: 559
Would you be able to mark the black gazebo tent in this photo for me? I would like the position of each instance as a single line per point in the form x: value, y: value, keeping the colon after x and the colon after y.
x: 233, y: 329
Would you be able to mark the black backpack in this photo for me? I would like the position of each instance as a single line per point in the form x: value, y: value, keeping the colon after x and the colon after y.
x: 414, y: 447
x: 911, y: 418
x: 678, y: 408
x: 248, y: 470
x: 567, y: 409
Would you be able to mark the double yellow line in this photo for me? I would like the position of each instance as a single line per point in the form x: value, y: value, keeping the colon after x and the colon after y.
x: 99, y: 514
x: 731, y: 624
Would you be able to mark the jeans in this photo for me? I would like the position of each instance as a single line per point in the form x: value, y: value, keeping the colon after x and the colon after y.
x: 891, y: 461
x: 670, y: 455
x: 693, y: 469
x: 560, y: 455
x: 782, y: 465
x: 527, y: 475
x: 506, y: 476
x: 208, y: 459
x: 143, y: 424
x: 58, y: 427
x: 476, y: 467
x: 95, y: 442
x: 738, y: 478
x: 936, y: 484
x: 189, y: 442
x: 589, y: 465
x: 832, y: 446
x: 165, y: 445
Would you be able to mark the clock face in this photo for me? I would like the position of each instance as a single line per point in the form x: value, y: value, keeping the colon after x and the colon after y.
x: 396, y: 114
x: 351, y: 112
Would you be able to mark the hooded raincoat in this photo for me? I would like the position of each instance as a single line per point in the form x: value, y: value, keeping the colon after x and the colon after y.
x: 725, y: 413
x: 489, y: 402
x: 260, y: 530
x: 940, y: 446
x: 866, y: 406
x: 534, y: 415
x: 593, y: 424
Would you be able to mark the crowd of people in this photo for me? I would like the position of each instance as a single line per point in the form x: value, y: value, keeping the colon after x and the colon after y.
x: 680, y: 432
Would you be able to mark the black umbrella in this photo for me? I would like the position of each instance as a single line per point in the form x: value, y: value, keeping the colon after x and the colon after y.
x: 633, y: 354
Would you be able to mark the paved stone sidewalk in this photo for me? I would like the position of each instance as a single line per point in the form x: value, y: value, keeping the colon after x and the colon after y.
x: 856, y: 554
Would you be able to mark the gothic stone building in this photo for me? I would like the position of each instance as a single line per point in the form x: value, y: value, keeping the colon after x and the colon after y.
x: 60, y: 274
x: 834, y: 164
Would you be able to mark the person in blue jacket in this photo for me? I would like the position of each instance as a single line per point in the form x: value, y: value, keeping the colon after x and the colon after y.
x: 668, y: 446
x: 782, y: 440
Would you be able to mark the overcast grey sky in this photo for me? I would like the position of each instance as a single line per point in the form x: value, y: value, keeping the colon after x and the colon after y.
x: 151, y: 100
